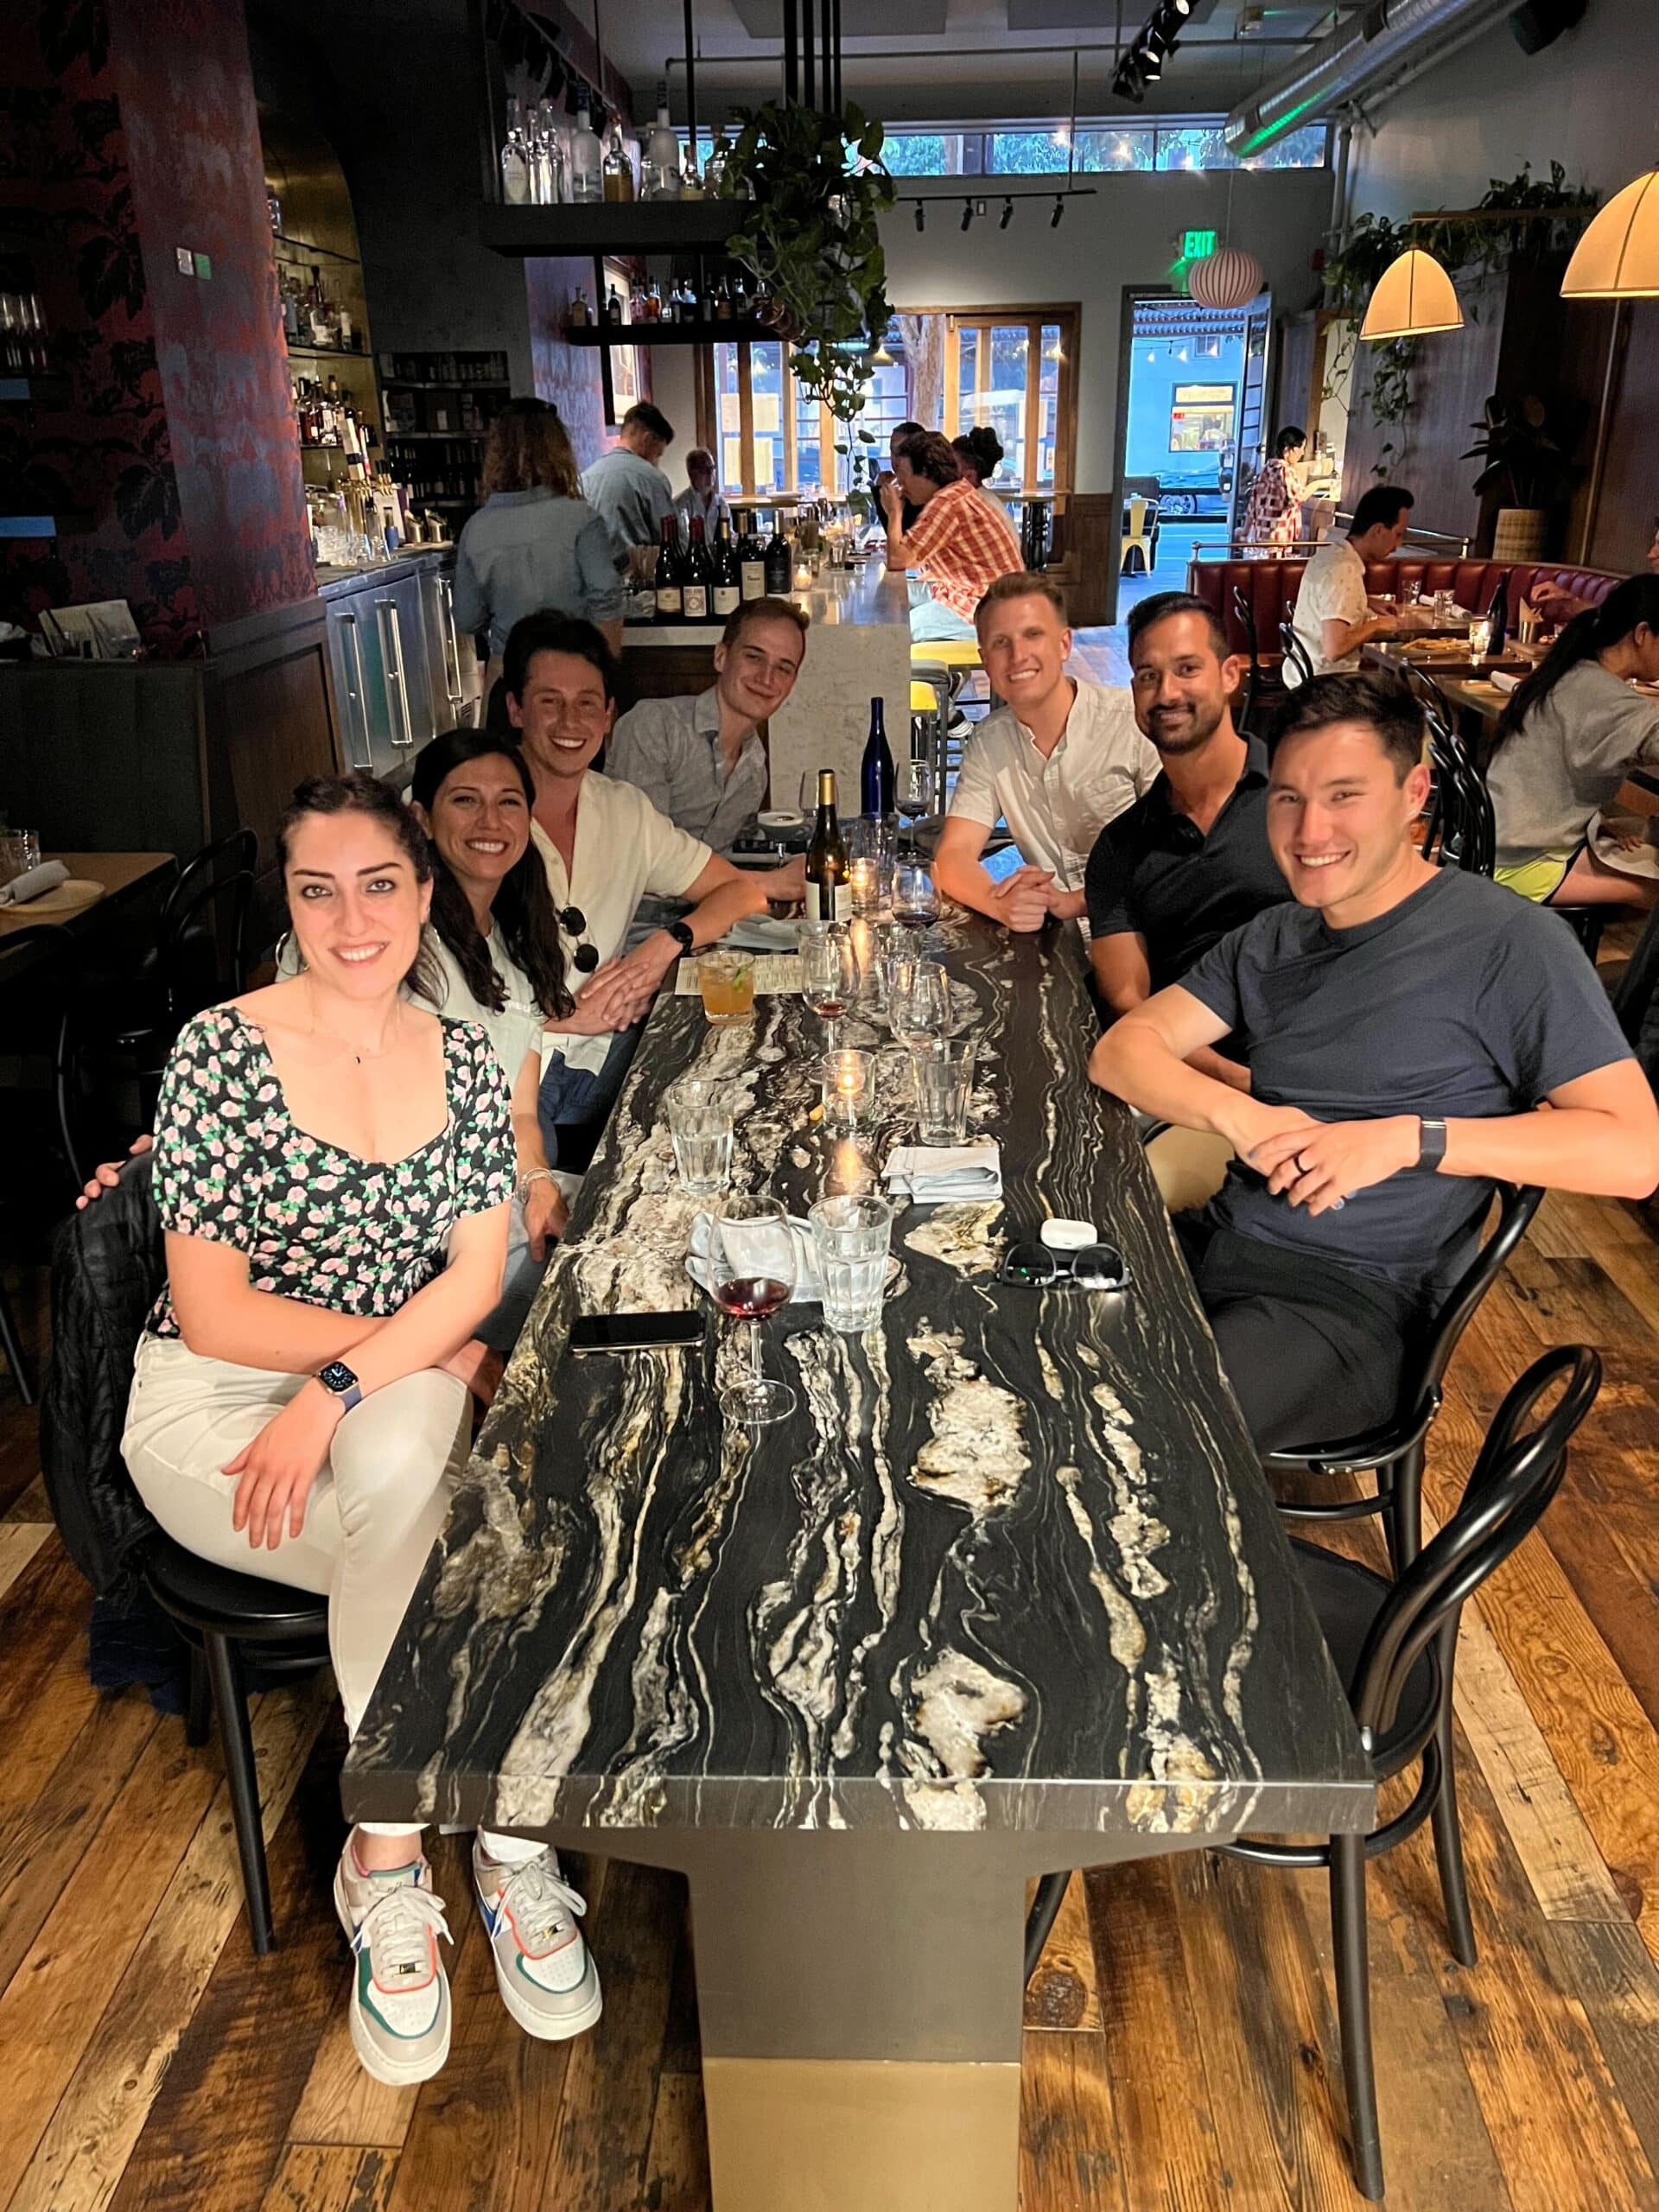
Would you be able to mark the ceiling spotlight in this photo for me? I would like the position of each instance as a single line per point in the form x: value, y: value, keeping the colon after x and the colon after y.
x: 966, y: 212
x: 921, y: 215
x: 1060, y: 210
x: 1006, y: 216
x: 1151, y: 63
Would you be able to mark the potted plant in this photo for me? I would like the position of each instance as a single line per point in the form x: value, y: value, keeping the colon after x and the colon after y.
x: 1524, y: 466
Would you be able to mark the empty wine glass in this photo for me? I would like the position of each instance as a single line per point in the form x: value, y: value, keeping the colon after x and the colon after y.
x: 918, y: 1002
x: 915, y: 899
x: 752, y: 1270
x: 915, y: 792
x: 829, y: 975
x: 808, y: 798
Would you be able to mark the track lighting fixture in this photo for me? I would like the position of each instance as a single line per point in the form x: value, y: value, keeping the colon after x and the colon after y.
x: 1144, y: 62
x: 1006, y: 216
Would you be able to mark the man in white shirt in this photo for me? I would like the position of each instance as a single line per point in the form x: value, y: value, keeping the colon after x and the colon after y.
x: 606, y: 847
x: 702, y: 498
x: 625, y: 488
x: 1057, y: 762
x: 1332, y: 616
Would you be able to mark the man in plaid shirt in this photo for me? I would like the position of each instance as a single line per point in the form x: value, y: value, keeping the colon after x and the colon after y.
x: 961, y: 542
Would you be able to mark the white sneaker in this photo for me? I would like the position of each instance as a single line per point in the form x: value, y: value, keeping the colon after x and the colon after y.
x: 400, y: 1993
x: 548, y: 1981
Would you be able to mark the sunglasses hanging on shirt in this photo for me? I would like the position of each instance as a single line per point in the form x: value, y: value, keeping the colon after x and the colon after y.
x: 574, y: 923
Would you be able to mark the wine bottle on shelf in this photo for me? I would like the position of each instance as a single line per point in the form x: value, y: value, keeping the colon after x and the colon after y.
x: 778, y: 558
x: 876, y: 778
x: 580, y: 317
x: 729, y: 581
x: 752, y: 562
x: 699, y: 580
x: 1497, y: 617
x: 670, y: 587
x: 587, y: 162
x: 829, y: 892
x: 515, y: 160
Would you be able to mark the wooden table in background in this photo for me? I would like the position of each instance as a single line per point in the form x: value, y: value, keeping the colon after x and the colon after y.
x: 121, y: 873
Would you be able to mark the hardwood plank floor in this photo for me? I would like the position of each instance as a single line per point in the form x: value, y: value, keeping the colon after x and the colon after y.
x: 1181, y: 2047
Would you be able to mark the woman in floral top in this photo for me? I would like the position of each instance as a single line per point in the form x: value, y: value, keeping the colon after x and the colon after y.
x: 1273, y: 517
x: 334, y: 1165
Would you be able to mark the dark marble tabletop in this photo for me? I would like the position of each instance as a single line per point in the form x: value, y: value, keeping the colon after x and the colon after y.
x: 1011, y: 1565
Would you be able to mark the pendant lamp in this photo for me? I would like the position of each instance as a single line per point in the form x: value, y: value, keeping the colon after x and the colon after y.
x: 1618, y: 258
x: 1414, y: 296
x: 1229, y: 277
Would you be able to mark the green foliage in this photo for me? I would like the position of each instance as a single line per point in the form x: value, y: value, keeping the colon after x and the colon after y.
x: 812, y: 239
x: 1518, y: 452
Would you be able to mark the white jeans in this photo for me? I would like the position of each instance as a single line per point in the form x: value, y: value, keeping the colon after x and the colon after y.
x: 372, y: 1516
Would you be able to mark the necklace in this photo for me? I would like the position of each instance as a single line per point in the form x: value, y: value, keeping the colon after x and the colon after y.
x: 322, y: 1029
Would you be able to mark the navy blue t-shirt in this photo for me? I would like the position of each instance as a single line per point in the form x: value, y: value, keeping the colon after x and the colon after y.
x: 1464, y: 1001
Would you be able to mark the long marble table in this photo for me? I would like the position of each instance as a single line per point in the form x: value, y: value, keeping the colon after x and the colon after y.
x: 1006, y: 1594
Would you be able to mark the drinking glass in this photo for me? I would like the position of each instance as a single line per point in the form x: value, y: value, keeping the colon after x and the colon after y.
x: 849, y: 1088
x: 850, y: 1236
x: 918, y: 1002
x: 1480, y: 638
x: 751, y: 1268
x: 945, y: 1082
x: 808, y: 798
x: 869, y: 865
x: 915, y: 900
x: 1410, y: 593
x: 20, y: 850
x: 829, y: 975
x: 915, y: 795
x: 726, y: 980
x: 700, y: 1122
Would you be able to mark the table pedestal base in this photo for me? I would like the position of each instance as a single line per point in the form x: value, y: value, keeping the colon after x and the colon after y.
x: 829, y: 2134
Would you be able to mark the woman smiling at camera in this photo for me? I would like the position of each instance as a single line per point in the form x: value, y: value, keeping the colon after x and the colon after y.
x: 333, y: 1167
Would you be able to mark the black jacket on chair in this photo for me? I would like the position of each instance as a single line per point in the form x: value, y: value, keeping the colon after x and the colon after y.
x: 108, y: 1266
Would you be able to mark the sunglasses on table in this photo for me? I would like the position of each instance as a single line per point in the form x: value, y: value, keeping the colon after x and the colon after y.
x: 574, y: 923
x: 1038, y: 1266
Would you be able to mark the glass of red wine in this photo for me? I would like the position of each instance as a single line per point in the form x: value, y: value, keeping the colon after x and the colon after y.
x: 752, y: 1270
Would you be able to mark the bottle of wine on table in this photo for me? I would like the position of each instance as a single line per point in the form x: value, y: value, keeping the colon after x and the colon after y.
x: 829, y: 891
x: 752, y: 562
x: 728, y: 584
x: 777, y: 571
x: 875, y: 774
x: 670, y: 581
x: 698, y: 580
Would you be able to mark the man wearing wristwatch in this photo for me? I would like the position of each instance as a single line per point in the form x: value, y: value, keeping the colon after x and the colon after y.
x: 1402, y: 1025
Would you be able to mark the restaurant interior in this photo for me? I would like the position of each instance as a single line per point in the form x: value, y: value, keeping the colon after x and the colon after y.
x: 931, y: 1740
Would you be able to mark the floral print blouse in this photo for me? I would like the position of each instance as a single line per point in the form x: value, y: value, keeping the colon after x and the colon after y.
x: 317, y: 1224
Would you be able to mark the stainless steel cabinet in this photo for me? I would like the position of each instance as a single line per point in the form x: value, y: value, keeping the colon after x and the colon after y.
x: 386, y: 651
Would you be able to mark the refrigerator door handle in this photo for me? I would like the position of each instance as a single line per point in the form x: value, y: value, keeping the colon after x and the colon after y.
x: 355, y: 701
x: 397, y: 675
x: 451, y: 645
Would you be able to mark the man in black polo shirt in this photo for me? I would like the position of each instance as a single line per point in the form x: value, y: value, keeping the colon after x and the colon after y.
x: 1401, y: 1024
x: 1190, y: 861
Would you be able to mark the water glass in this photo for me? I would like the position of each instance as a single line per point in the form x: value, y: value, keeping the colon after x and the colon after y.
x: 850, y: 1238
x: 1480, y: 638
x: 700, y: 1122
x: 1410, y: 593
x: 849, y: 1088
x: 20, y: 850
x: 944, y: 1069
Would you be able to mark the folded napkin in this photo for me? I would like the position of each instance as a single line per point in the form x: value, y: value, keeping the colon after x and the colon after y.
x: 32, y: 883
x: 809, y: 1289
x: 1503, y: 681
x: 948, y: 1175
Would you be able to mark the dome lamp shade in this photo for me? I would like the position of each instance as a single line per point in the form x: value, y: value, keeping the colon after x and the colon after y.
x: 1618, y: 258
x: 1414, y: 296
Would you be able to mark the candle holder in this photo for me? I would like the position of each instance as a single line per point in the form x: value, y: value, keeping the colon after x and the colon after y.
x: 849, y: 1088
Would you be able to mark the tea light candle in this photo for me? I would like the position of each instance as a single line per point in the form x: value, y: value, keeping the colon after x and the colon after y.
x: 803, y: 577
x: 864, y: 877
x: 849, y: 1083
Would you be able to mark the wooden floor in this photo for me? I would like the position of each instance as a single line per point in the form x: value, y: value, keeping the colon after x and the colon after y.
x: 1181, y: 2050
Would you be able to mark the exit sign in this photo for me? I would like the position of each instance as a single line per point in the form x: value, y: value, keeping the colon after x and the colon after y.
x: 1195, y: 244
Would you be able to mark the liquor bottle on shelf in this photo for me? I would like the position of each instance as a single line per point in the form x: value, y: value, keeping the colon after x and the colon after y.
x: 613, y: 306
x: 659, y: 170
x: 699, y: 580
x: 829, y: 892
x: 580, y: 315
x: 876, y: 771
x: 617, y: 174
x: 1498, y: 618
x: 728, y: 583
x: 515, y: 160
x: 778, y: 568
x: 547, y: 164
x: 752, y: 562
x: 587, y: 163
x: 692, y: 185
x: 670, y: 575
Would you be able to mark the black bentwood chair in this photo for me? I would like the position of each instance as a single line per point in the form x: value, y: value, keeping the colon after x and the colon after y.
x: 1296, y: 653
x: 1244, y: 615
x: 108, y: 1268
x: 1462, y: 830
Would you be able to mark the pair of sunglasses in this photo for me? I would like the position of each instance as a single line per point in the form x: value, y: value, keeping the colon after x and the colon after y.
x: 574, y: 923
x: 1038, y: 1266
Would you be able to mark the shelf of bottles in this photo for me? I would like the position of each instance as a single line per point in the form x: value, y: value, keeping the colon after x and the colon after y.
x: 438, y: 411
x: 688, y: 311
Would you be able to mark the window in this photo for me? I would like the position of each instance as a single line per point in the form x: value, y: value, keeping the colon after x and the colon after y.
x: 774, y: 435
x: 1015, y: 372
x: 1101, y: 149
x: 1201, y: 418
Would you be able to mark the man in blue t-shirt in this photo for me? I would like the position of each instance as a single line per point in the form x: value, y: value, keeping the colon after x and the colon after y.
x: 1401, y: 1025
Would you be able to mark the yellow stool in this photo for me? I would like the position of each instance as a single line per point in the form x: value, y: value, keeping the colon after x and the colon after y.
x: 1137, y: 537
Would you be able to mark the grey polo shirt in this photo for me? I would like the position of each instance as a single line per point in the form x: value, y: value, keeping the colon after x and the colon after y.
x: 670, y: 750
x: 631, y: 496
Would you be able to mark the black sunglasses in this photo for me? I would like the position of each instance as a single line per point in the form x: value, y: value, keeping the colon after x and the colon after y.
x: 574, y: 923
x: 1037, y: 1267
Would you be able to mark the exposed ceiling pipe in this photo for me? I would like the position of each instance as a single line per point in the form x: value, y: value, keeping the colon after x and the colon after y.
x: 1372, y: 52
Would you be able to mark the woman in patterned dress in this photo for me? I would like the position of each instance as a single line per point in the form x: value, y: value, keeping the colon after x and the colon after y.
x: 333, y: 1163
x: 1273, y: 517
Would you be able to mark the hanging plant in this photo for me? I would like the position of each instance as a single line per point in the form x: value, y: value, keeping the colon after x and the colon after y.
x: 817, y: 185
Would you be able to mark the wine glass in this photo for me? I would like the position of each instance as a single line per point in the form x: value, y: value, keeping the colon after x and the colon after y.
x: 752, y: 1270
x: 915, y: 899
x: 919, y: 1003
x: 808, y: 798
x: 915, y: 792
x: 829, y: 975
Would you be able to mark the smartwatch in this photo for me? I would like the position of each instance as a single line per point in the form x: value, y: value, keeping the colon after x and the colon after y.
x: 1430, y: 1146
x: 340, y: 1379
x: 683, y: 935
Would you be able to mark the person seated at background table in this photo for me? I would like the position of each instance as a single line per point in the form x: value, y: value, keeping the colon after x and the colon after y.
x: 1401, y: 1023
x: 604, y: 846
x: 979, y: 455
x: 535, y: 541
x: 1190, y: 859
x: 333, y: 1167
x: 1556, y: 603
x: 1565, y: 741
x: 701, y: 496
x: 1333, y: 617
x: 960, y: 542
x: 1056, y: 762
x: 1273, y: 517
x: 699, y: 758
x: 625, y: 488
x: 898, y: 438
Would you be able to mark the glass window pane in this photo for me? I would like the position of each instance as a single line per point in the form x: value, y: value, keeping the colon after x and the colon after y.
x: 1199, y: 146
x: 1104, y: 150
x: 923, y: 153
x: 1026, y: 153
x: 966, y: 376
x: 767, y: 397
x: 1306, y: 149
x: 811, y: 460
x: 1003, y: 404
x: 729, y: 407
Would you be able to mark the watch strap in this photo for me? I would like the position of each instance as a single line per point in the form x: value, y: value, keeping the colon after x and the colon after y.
x: 1431, y: 1147
x: 683, y: 934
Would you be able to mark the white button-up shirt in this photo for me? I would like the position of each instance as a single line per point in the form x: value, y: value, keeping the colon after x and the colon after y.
x: 1332, y: 589
x: 1055, y: 808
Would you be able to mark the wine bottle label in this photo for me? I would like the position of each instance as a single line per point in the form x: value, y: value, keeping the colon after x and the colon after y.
x: 667, y: 599
x: 754, y: 580
x: 696, y: 602
x: 725, y: 596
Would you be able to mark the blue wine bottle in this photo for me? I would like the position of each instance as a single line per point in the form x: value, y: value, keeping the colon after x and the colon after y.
x: 876, y: 780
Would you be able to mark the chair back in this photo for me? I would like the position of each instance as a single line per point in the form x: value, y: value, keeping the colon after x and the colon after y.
x: 1296, y: 653
x: 1462, y: 829
x: 203, y: 929
x: 1518, y: 1471
x: 1244, y: 615
x: 108, y: 1266
x: 1516, y: 1204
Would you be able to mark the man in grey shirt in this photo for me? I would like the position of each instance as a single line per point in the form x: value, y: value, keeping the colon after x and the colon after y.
x: 627, y: 488
x: 699, y: 757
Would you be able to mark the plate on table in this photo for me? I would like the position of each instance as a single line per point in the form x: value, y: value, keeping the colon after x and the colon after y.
x: 1643, y: 861
x: 72, y: 897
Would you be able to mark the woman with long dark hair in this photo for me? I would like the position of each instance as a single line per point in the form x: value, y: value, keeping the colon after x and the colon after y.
x: 1564, y: 744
